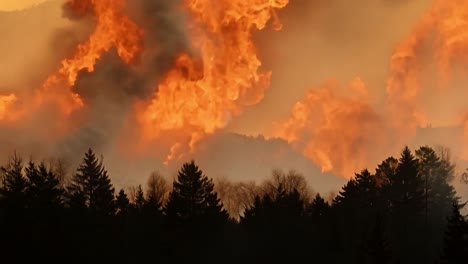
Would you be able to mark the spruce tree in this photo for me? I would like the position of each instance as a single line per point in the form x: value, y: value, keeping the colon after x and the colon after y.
x: 140, y: 200
x: 406, y: 187
x: 456, y: 238
x: 44, y: 190
x: 91, y: 187
x: 122, y: 203
x: 376, y: 249
x: 405, y: 196
x: 192, y: 199
x: 317, y: 209
x: 14, y: 184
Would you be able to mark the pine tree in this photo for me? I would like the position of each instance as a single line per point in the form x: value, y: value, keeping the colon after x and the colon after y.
x: 377, y: 249
x: 193, y: 199
x: 361, y: 192
x: 405, y: 195
x: 44, y: 190
x: 359, y: 202
x: 122, y: 203
x: 385, y: 171
x: 140, y: 200
x: 91, y: 187
x: 406, y: 188
x: 456, y: 238
x: 439, y: 195
x: 318, y: 208
x: 14, y: 184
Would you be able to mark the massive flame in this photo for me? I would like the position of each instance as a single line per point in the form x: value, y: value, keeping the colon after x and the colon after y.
x: 206, y: 88
x: 328, y: 128
x: 334, y: 127
x: 113, y: 30
x: 439, y: 38
x: 221, y: 74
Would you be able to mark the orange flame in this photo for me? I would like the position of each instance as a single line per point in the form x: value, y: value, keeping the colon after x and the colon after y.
x: 335, y: 127
x: 113, y: 29
x: 326, y: 127
x: 204, y: 90
x: 444, y: 29
x: 6, y: 101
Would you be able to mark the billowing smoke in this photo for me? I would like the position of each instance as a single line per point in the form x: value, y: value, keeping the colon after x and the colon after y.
x: 111, y: 89
x: 94, y: 98
x: 168, y: 81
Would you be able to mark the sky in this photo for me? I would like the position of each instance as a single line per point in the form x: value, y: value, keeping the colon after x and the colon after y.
x: 321, y: 40
x: 311, y: 45
x: 9, y: 5
x: 328, y: 40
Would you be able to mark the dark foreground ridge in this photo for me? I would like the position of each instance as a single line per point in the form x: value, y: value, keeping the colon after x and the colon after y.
x: 407, y: 212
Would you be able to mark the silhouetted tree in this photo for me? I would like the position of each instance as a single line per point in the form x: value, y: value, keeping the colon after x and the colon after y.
x: 275, y: 225
x: 456, y: 238
x: 140, y: 200
x: 406, y: 188
x: 288, y: 183
x: 14, y: 185
x: 405, y: 195
x: 15, y: 231
x: 44, y: 190
x: 157, y: 188
x: 385, y: 171
x: 376, y: 249
x: 195, y: 218
x: 122, y: 203
x: 91, y: 187
x: 193, y: 199
x: 439, y: 195
x: 318, y: 208
x: 356, y: 206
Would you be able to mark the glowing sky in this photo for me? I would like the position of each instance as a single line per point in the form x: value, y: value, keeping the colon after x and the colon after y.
x: 9, y: 5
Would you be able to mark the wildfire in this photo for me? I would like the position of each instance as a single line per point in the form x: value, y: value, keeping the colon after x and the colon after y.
x: 444, y: 29
x: 113, y: 30
x: 5, y: 103
x: 332, y: 130
x: 334, y: 127
x: 221, y: 74
x: 206, y: 88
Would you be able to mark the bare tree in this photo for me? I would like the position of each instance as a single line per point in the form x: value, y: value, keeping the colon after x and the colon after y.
x: 287, y: 182
x: 60, y: 167
x: 236, y: 197
x: 157, y: 187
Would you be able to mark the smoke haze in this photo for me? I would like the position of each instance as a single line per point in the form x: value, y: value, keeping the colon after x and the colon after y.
x: 321, y: 41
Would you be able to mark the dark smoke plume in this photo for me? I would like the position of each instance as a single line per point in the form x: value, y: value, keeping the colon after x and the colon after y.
x: 112, y: 88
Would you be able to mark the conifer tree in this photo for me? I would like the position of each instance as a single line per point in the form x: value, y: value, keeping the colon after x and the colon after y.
x: 406, y: 188
x: 456, y: 238
x: 376, y: 249
x: 14, y: 184
x: 140, y: 200
x: 122, y: 203
x: 318, y: 208
x: 44, y: 190
x: 193, y: 199
x: 91, y: 187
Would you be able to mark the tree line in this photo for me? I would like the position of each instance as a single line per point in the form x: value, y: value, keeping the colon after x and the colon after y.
x: 405, y: 212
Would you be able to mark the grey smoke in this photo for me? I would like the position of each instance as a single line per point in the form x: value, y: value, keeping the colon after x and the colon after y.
x: 109, y: 92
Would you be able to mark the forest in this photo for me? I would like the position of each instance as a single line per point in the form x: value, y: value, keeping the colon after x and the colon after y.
x: 405, y: 212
